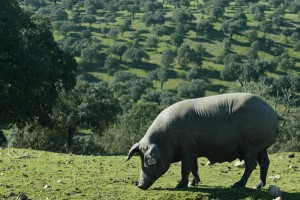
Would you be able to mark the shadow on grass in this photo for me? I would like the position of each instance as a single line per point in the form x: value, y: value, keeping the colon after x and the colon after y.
x: 202, y: 40
x: 90, y: 78
x: 239, y: 43
x: 207, y: 192
x: 143, y: 65
x: 216, y: 88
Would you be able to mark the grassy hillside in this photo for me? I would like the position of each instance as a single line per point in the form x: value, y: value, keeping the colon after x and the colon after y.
x: 44, y: 175
x: 213, y: 44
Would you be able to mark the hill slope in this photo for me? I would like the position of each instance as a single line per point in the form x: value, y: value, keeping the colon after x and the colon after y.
x: 92, y: 41
x: 45, y: 175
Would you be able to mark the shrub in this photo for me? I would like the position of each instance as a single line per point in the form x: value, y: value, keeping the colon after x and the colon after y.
x: 289, y: 135
x: 193, y: 73
x: 194, y: 89
x: 130, y: 128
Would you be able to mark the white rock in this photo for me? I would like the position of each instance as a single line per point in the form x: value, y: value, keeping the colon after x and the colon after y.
x: 275, y: 177
x: 278, y: 198
x: 274, y: 191
x: 59, y: 181
x: 239, y: 164
x: 46, y: 186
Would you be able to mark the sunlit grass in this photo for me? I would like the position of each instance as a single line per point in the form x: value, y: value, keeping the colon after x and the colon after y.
x: 45, y: 175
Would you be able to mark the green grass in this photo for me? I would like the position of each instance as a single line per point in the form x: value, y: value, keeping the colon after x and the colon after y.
x: 45, y: 175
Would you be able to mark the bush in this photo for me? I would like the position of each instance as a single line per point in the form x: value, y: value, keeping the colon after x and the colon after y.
x: 168, y: 98
x: 296, y: 46
x: 282, y: 82
x: 193, y: 73
x: 289, y: 135
x: 130, y: 128
x: 194, y: 89
x: 151, y: 95
x: 39, y: 138
x: 231, y: 71
x: 295, y: 82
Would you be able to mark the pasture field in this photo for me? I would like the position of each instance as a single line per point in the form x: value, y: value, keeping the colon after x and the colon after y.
x: 46, y: 175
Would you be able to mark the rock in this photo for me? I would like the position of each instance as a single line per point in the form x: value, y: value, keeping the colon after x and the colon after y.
x: 46, y: 186
x: 278, y: 198
x: 293, y: 167
x: 291, y: 155
x: 10, y: 194
x: 275, y: 177
x: 22, y: 196
x: 59, y: 181
x: 274, y: 191
x: 239, y: 164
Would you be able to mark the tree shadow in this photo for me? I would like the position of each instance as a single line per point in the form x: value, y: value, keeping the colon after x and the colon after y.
x: 210, y: 73
x: 144, y: 66
x: 239, y: 43
x: 169, y: 30
x: 216, y: 88
x: 172, y: 74
x: 89, y: 77
x: 202, y: 40
x: 208, y: 55
x: 217, y: 34
x: 224, y: 193
x: 74, y: 35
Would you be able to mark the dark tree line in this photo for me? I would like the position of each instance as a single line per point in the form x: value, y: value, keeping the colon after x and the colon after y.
x: 33, y: 68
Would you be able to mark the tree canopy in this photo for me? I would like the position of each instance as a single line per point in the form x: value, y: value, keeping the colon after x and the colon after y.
x: 33, y: 68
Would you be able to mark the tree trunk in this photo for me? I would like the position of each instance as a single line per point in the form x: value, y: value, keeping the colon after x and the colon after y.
x: 161, y: 85
x: 70, y: 139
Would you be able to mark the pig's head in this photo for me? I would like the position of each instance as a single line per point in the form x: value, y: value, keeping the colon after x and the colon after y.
x: 153, y: 163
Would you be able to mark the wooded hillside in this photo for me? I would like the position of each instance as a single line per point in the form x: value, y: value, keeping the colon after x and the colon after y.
x: 137, y: 55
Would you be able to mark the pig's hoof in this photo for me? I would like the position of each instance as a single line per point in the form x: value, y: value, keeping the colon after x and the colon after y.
x: 238, y: 184
x: 193, y: 182
x: 181, y: 186
x: 259, y: 185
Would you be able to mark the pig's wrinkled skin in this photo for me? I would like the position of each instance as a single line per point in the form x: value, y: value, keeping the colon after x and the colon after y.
x: 220, y: 128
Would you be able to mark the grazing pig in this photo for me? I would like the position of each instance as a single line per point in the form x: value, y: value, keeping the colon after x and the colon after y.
x: 221, y: 128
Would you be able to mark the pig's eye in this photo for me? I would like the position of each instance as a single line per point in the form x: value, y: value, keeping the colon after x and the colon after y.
x: 144, y: 149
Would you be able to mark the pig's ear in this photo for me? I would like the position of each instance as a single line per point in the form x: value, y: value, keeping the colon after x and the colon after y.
x: 134, y: 149
x: 152, y: 156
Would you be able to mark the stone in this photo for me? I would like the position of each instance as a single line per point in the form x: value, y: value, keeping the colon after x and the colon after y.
x: 275, y: 177
x: 291, y: 155
x: 274, y: 191
x: 22, y: 196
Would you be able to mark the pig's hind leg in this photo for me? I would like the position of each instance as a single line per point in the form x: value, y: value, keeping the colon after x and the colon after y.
x: 250, y: 164
x: 195, y: 176
x: 263, y: 161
